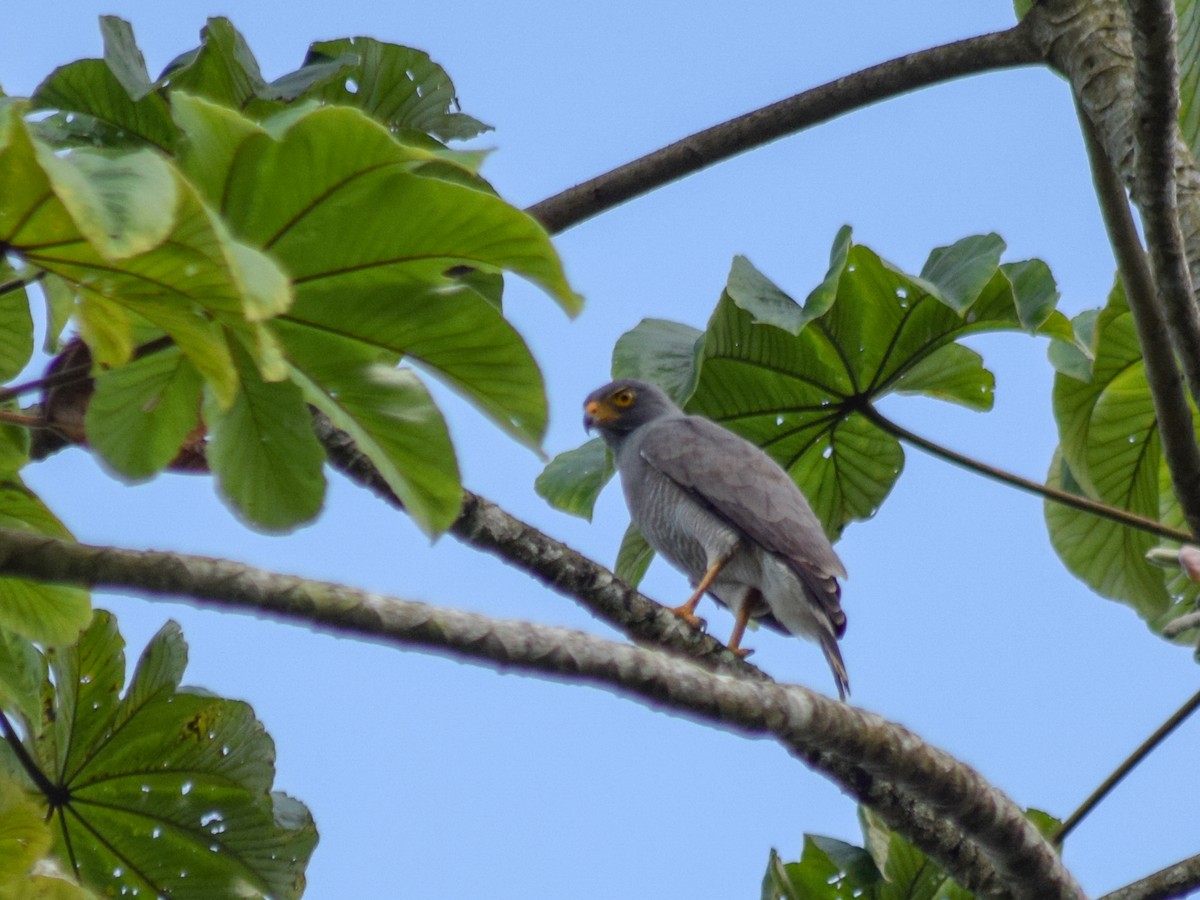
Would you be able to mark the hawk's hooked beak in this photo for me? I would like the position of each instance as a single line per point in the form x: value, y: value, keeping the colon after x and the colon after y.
x: 597, y: 413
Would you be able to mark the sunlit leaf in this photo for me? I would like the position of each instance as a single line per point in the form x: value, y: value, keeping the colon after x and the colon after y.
x: 166, y: 790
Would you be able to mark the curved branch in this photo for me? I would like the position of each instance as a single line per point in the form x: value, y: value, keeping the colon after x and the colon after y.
x: 801, y: 720
x: 1003, y: 49
x: 1103, y: 510
x: 487, y: 527
x: 1178, y: 880
x: 1171, y: 410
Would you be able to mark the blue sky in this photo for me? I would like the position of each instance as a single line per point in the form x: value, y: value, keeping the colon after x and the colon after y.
x: 432, y: 778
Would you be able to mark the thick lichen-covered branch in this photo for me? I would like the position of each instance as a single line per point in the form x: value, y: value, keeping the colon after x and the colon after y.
x: 691, y: 154
x: 811, y: 724
x: 487, y: 527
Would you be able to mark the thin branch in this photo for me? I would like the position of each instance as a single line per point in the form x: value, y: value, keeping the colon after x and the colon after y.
x: 1156, y: 111
x: 1000, y: 50
x: 1171, y: 411
x: 800, y: 719
x: 1177, y: 880
x: 1121, y: 516
x: 1147, y: 746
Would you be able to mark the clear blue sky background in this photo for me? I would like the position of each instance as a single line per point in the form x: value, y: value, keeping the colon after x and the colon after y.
x: 431, y: 778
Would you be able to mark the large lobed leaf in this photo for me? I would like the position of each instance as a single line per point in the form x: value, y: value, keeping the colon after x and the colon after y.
x: 800, y: 379
x: 1109, y: 450
x: 391, y: 244
x: 163, y: 790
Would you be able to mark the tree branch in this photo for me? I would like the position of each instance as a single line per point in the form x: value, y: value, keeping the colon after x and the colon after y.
x: 1174, y: 417
x: 1178, y: 880
x: 1124, y: 517
x: 1156, y: 111
x: 801, y: 720
x: 1003, y: 49
x: 487, y: 527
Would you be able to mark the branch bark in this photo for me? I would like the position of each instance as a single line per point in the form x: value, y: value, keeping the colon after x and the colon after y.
x: 805, y: 722
x: 485, y: 526
x: 1177, y: 880
x: 1090, y: 42
x: 1003, y: 49
x: 1171, y: 410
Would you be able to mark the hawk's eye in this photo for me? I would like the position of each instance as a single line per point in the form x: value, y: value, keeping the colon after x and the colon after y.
x: 623, y: 398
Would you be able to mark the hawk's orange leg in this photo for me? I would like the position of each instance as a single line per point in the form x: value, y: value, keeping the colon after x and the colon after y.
x: 687, y: 612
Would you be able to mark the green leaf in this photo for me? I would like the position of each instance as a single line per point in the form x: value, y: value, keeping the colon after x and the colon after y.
x: 141, y: 413
x: 572, y: 481
x: 398, y: 86
x: 60, y: 214
x: 48, y: 613
x: 1074, y: 356
x: 953, y: 373
x: 169, y: 788
x: 222, y: 69
x: 60, y: 305
x: 962, y: 270
x: 1107, y: 556
x: 267, y: 461
x: 334, y: 200
x: 391, y: 417
x: 123, y: 57
x: 97, y: 110
x: 662, y: 352
x: 21, y: 674
x: 907, y: 873
x: 828, y: 869
x: 1109, y: 450
x: 633, y: 557
x: 801, y: 382
x: 450, y: 331
x: 1188, y: 48
x: 16, y: 324
x: 24, y: 836
x: 14, y: 443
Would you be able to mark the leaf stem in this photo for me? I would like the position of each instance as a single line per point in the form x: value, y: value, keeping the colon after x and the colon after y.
x: 17, y: 283
x: 1115, y: 514
x: 1125, y: 768
x: 51, y: 791
x: 1002, y: 49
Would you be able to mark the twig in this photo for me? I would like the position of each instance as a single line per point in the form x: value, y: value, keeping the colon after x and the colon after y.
x: 1122, y: 516
x: 1174, y: 418
x: 1148, y: 745
x: 1156, y: 109
x: 999, y: 50
x: 798, y: 718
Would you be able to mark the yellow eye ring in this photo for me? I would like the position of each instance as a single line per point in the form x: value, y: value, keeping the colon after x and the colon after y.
x: 623, y: 398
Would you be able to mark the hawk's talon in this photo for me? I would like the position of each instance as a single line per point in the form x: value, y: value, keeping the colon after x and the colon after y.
x: 685, y: 613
